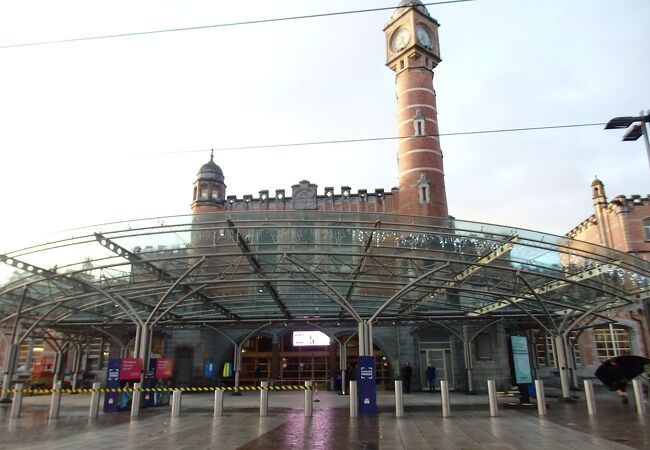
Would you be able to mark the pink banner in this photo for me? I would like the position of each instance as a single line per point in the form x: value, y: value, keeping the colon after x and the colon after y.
x: 130, y: 368
x: 164, y: 368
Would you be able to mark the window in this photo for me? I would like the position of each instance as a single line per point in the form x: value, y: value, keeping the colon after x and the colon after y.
x: 612, y: 341
x: 646, y: 228
x: 544, y: 348
x: 204, y: 192
x: 483, y: 346
x: 424, y: 194
x: 215, y: 193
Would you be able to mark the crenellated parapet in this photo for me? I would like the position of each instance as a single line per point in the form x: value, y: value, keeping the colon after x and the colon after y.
x: 305, y: 196
x: 582, y: 227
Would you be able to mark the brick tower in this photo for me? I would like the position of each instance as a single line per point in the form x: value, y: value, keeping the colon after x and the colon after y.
x: 412, y: 52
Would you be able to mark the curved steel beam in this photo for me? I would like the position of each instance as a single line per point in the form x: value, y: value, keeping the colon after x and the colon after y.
x: 405, y: 290
x: 341, y: 301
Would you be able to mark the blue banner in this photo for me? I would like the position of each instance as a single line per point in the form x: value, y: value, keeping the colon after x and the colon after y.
x: 366, y: 385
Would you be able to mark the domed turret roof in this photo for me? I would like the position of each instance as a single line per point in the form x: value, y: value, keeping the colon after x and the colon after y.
x: 596, y: 182
x: 403, y: 5
x: 210, y: 171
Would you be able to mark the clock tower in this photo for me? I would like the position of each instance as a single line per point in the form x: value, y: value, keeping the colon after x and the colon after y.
x: 412, y: 52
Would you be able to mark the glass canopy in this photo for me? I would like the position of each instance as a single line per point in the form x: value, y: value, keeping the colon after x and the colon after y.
x: 330, y: 268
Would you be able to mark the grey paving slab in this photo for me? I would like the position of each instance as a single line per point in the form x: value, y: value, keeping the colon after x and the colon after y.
x: 241, y: 427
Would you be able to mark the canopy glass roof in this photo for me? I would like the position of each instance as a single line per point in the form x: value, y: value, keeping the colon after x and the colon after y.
x: 325, y: 267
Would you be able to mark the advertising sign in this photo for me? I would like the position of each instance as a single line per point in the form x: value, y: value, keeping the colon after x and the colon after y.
x: 521, y: 360
x: 130, y: 368
x: 164, y: 368
x: 307, y: 338
x: 366, y: 385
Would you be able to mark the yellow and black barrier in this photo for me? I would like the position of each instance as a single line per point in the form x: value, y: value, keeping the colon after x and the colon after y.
x: 157, y: 389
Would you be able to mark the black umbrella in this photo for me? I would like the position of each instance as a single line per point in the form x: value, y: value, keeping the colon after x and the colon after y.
x: 616, y: 372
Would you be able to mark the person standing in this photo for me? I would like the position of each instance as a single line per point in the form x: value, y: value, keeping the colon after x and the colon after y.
x: 431, y: 378
x: 407, y: 373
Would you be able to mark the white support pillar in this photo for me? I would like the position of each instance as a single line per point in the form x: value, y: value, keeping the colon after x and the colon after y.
x: 237, y: 365
x: 309, y: 399
x: 135, y: 400
x: 589, y: 396
x: 145, y: 347
x: 94, y: 401
x: 9, y: 367
x: 264, y: 398
x: 176, y: 403
x: 218, y: 403
x: 492, y: 396
x: 354, y: 400
x: 399, y: 399
x: 17, y: 402
x: 361, y: 327
x: 559, y: 348
x: 541, y: 397
x: 639, y: 397
x: 444, y: 396
x: 469, y: 365
x: 55, y: 403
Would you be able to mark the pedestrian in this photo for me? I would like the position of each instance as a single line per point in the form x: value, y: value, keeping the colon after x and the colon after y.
x: 407, y: 373
x: 258, y: 374
x: 431, y: 377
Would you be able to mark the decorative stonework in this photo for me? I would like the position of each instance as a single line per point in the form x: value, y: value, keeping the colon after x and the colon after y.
x: 303, y: 195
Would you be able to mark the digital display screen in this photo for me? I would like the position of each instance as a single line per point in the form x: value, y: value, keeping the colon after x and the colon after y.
x: 307, y: 338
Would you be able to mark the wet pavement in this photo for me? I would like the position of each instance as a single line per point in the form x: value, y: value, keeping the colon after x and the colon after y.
x: 566, y: 426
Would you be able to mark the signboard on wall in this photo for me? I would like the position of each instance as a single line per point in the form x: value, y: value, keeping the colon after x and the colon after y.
x: 307, y: 338
x: 521, y: 360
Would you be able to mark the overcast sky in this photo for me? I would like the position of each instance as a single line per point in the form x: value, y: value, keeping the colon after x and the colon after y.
x: 116, y: 129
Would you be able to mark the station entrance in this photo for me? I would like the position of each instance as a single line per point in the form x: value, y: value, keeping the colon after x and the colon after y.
x: 284, y: 363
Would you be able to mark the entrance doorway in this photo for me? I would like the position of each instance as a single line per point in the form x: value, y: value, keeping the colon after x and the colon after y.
x: 441, y: 360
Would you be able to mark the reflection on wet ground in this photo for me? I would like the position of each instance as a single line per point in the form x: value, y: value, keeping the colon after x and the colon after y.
x: 566, y: 427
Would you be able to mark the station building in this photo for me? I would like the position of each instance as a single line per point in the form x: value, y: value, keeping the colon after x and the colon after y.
x: 227, y: 290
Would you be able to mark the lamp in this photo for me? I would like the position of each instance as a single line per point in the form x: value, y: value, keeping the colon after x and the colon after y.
x: 635, y: 128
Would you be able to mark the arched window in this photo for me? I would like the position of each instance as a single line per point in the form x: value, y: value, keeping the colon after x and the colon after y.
x: 611, y: 341
x: 418, y: 123
x: 194, y: 194
x: 646, y: 228
x: 204, y: 191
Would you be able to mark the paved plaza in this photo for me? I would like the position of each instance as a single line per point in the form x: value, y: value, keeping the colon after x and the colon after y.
x: 566, y: 426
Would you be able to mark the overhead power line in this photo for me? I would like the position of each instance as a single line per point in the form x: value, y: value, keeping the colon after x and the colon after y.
x: 388, y: 138
x: 223, y: 25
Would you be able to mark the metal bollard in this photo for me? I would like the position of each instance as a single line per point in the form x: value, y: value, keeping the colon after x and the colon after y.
x: 309, y: 399
x: 218, y: 403
x: 354, y: 400
x: 638, y: 395
x: 55, y: 403
x: 176, y: 403
x: 492, y: 397
x: 94, y: 401
x: 541, y: 398
x: 135, y: 400
x: 444, y: 396
x: 589, y: 396
x: 17, y: 402
x: 399, y: 399
x: 264, y: 399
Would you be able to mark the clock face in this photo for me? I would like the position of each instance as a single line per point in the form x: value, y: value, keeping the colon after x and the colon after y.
x: 400, y: 39
x: 423, y: 36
